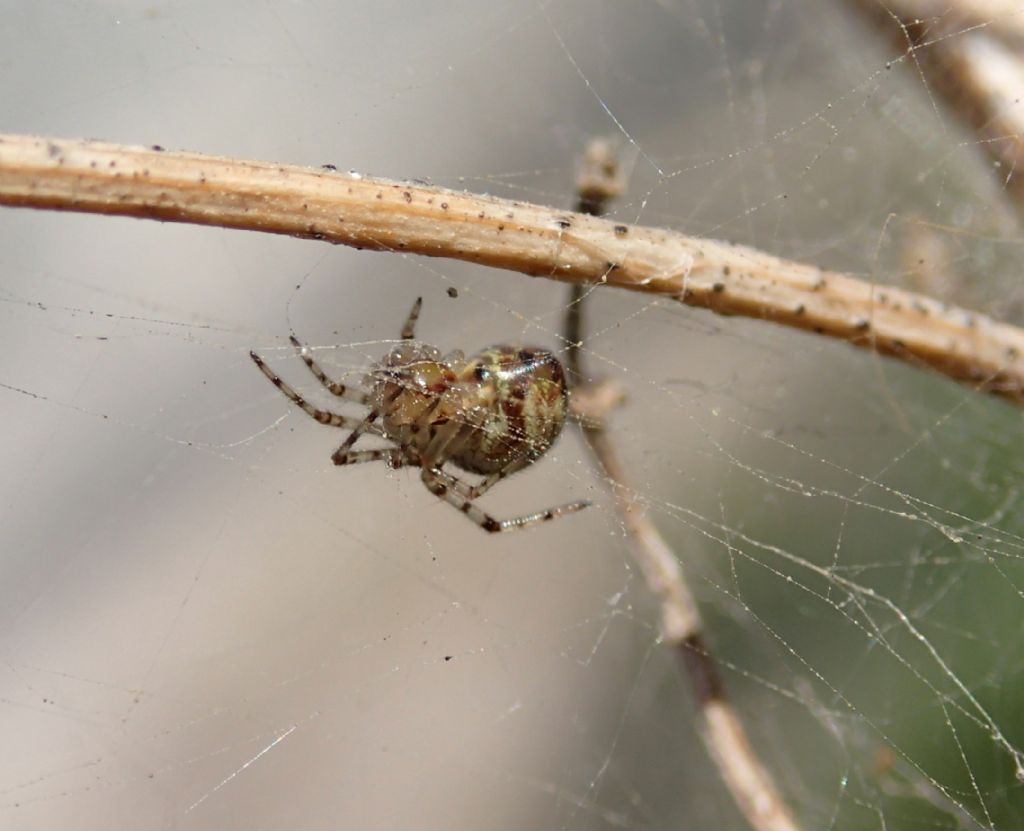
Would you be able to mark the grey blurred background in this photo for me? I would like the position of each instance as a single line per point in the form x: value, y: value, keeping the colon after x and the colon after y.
x: 203, y: 624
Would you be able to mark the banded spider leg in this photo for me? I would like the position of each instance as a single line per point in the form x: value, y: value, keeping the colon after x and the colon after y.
x: 461, y: 495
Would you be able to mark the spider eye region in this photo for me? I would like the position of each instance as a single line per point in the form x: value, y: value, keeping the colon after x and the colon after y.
x: 410, y: 353
x: 428, y: 377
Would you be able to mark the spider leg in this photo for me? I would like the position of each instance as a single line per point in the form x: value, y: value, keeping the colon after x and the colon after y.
x: 392, y: 455
x: 438, y: 452
x: 478, y: 490
x: 323, y: 416
x: 335, y: 388
x: 367, y: 425
x: 444, y: 486
x: 409, y: 329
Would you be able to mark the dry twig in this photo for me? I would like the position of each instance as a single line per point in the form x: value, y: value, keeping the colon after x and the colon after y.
x: 969, y: 51
x: 398, y: 216
x: 1003, y: 18
x: 721, y: 729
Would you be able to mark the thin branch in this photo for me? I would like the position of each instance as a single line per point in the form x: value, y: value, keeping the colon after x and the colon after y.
x: 748, y: 781
x: 397, y: 216
x: 969, y: 51
x: 1003, y: 18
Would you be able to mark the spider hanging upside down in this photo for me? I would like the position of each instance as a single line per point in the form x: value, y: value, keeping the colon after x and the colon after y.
x: 493, y: 414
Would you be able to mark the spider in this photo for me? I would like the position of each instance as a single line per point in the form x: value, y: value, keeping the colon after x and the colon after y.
x: 493, y: 415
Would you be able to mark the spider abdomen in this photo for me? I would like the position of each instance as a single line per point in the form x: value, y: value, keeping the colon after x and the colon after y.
x: 516, y: 399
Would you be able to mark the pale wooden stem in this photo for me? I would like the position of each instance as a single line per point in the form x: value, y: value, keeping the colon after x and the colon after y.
x: 969, y: 52
x: 1002, y: 18
x: 721, y: 729
x: 396, y: 216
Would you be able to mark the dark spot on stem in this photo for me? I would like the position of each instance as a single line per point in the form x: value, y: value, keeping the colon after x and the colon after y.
x: 701, y: 669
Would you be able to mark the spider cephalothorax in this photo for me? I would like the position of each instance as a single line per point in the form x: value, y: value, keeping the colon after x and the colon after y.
x: 493, y: 414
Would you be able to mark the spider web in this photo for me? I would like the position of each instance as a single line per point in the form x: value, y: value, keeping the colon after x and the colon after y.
x: 205, y: 624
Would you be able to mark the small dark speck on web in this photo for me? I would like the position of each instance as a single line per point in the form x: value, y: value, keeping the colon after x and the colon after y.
x: 453, y: 292
x: 448, y: 657
x: 328, y: 167
x: 157, y: 148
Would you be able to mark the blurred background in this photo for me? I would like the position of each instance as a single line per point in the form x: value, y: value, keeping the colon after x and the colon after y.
x: 204, y: 624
